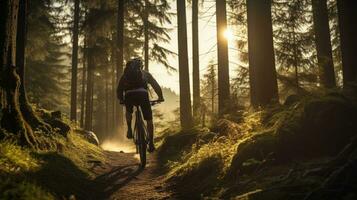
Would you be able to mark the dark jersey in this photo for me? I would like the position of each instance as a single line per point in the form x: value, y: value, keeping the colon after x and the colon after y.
x: 147, y: 79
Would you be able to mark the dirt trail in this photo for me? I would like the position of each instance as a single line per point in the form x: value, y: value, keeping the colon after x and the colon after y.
x: 121, y: 178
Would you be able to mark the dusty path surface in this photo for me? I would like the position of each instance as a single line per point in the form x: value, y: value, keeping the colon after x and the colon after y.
x: 121, y: 178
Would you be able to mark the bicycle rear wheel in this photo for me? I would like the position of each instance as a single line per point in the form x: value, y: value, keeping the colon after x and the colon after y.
x: 142, y: 145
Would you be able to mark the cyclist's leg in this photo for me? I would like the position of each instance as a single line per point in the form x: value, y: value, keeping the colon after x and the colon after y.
x: 150, y: 127
x: 129, y: 133
x: 128, y: 116
x: 147, y: 113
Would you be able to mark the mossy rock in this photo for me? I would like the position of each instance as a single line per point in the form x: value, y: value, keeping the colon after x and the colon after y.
x: 193, y: 182
x: 173, y: 146
x: 320, y: 126
x: 292, y: 99
x: 55, y: 120
x: 207, y: 136
x: 313, y: 127
x: 258, y: 147
x: 89, y: 136
x: 327, y: 125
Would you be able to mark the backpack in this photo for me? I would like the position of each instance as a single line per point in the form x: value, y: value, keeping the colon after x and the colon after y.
x: 133, y: 77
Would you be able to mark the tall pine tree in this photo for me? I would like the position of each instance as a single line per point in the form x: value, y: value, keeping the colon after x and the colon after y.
x: 223, y: 63
x: 262, y: 73
x: 185, y: 96
x: 347, y: 19
x: 323, y: 43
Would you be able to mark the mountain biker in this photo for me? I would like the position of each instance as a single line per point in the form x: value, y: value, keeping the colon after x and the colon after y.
x: 133, y: 90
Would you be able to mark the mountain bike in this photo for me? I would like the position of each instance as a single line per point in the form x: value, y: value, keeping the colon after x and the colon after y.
x: 140, y: 135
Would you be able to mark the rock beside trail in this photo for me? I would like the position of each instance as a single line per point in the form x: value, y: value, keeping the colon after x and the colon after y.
x: 55, y: 120
x: 90, y: 136
x: 309, y: 128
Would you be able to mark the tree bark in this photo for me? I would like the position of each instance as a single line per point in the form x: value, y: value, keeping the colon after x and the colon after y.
x: 185, y: 96
x: 106, y: 102
x: 75, y: 31
x: 146, y: 36
x: 323, y: 43
x: 113, y: 83
x: 91, y: 106
x: 213, y: 88
x: 195, y: 60
x: 262, y: 72
x: 223, y: 63
x: 120, y: 58
x: 25, y: 107
x: 12, y: 119
x: 84, y: 82
x: 296, y: 64
x: 89, y: 93
x: 347, y: 17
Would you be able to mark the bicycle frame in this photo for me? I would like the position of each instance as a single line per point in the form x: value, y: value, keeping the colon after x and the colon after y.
x: 140, y: 136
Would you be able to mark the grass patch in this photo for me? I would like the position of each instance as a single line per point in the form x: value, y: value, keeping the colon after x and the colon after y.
x: 259, y: 149
x: 12, y: 188
x: 14, y: 158
x: 58, y: 173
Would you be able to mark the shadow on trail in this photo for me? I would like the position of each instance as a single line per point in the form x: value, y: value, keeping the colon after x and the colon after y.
x: 117, y: 178
x: 61, y: 176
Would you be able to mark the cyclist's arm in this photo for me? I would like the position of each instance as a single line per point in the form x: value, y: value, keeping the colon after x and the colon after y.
x: 120, y: 90
x: 155, y: 85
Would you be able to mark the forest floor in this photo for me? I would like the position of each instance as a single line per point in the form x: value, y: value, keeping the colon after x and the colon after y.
x: 120, y: 177
x: 303, y: 149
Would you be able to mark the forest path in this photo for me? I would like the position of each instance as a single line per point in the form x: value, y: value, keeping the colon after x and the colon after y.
x: 120, y: 177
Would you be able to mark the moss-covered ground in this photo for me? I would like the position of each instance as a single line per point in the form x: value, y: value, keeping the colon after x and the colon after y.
x: 305, y: 148
x: 302, y: 149
x: 60, y: 173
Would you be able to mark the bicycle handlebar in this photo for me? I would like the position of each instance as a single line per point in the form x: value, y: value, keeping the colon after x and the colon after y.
x: 152, y: 103
x: 155, y: 102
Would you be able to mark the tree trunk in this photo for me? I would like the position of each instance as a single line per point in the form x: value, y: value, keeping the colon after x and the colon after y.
x: 114, y: 94
x: 91, y: 107
x: 262, y: 72
x: 296, y: 64
x: 185, y: 96
x: 106, y: 102
x: 195, y: 60
x: 347, y: 17
x: 113, y: 99
x: 213, y: 95
x: 73, y: 114
x: 146, y: 36
x: 84, y: 81
x: 89, y: 94
x: 12, y: 119
x: 223, y: 64
x: 120, y: 58
x: 203, y: 109
x: 323, y: 43
x: 25, y: 107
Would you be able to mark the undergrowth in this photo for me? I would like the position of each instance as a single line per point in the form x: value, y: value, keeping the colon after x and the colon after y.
x: 204, y: 161
x: 55, y: 173
x: 199, y: 158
